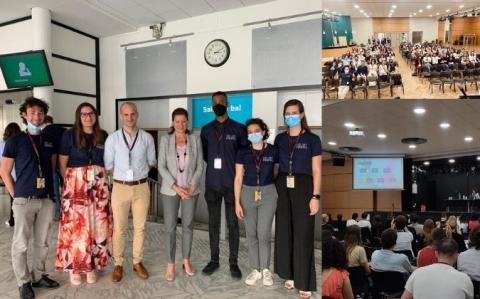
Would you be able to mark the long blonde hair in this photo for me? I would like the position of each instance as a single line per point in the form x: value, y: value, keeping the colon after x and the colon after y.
x: 452, y: 226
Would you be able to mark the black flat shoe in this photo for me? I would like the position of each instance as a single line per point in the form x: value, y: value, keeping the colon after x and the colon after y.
x: 45, y: 283
x: 210, y: 268
x: 235, y: 271
x: 26, y: 291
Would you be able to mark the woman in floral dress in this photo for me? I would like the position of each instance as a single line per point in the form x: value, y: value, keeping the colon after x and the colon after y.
x: 85, y: 231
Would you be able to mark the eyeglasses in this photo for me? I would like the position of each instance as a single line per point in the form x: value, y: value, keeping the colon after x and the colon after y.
x: 87, y: 114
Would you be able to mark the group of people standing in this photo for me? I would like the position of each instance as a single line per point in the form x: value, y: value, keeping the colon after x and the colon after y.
x: 106, y: 176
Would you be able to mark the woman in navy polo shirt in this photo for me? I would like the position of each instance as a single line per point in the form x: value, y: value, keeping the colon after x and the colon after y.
x: 85, y: 231
x: 298, y: 187
x: 256, y: 197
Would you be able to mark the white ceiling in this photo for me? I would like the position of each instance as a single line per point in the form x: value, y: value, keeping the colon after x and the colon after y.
x: 109, y: 17
x: 397, y: 120
x: 405, y: 8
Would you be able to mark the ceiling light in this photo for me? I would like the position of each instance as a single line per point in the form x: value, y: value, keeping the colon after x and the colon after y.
x: 349, y: 125
x: 420, y: 10
x: 426, y: 163
x: 451, y: 161
x: 478, y: 158
x: 356, y: 6
x: 382, y: 136
x: 332, y: 143
x: 412, y: 146
x: 414, y: 13
x: 468, y: 138
x: 437, y: 13
x: 394, y: 6
x: 444, y: 125
x: 419, y: 110
x: 447, y: 10
x: 362, y: 11
x: 461, y: 6
x: 429, y: 6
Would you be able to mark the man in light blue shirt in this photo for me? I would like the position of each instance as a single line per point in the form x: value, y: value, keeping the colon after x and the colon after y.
x: 129, y: 154
x: 387, y: 260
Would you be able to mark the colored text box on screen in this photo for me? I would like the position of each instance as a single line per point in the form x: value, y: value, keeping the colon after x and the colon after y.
x: 239, y: 109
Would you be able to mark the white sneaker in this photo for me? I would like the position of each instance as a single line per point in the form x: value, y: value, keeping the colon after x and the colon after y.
x: 253, y: 277
x: 267, y: 278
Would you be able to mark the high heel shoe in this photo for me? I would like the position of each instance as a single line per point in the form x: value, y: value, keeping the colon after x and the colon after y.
x: 170, y: 276
x: 192, y: 273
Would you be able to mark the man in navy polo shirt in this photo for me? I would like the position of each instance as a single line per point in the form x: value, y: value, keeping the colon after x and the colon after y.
x: 221, y: 140
x: 33, y: 155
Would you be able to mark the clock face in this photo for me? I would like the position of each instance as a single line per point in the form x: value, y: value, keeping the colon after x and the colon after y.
x: 217, y: 52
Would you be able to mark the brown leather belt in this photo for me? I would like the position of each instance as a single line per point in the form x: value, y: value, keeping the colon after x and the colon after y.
x: 131, y: 183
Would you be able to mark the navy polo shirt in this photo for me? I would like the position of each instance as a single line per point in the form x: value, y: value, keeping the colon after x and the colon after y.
x: 20, y: 148
x: 222, y: 140
x: 268, y: 160
x: 54, y: 133
x: 307, y: 147
x: 79, y: 157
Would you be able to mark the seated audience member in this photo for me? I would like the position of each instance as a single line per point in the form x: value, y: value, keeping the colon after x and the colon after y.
x: 353, y: 221
x: 405, y: 237
x: 453, y: 232
x: 335, y: 281
x: 427, y: 256
x: 473, y: 222
x: 325, y: 223
x: 469, y: 261
x: 364, y: 222
x: 356, y: 255
x: 346, y: 78
x: 415, y: 225
x: 426, y: 233
x: 386, y: 260
x: 440, y: 280
x: 377, y: 226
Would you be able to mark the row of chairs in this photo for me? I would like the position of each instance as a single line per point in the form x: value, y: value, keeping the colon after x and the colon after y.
x: 452, y: 78
x: 363, y: 85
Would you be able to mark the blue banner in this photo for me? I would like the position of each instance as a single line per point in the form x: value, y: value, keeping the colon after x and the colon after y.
x: 239, y: 109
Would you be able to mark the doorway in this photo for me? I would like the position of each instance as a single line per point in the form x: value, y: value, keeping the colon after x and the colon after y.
x: 417, y: 37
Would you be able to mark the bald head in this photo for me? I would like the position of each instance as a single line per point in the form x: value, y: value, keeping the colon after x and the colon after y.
x: 129, y: 115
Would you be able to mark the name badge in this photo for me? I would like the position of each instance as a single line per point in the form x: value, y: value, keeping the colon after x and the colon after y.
x: 40, y: 183
x: 129, y: 175
x: 258, y: 195
x: 217, y: 163
x: 290, y: 182
x: 90, y: 175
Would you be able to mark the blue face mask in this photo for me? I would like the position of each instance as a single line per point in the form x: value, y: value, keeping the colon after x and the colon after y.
x: 292, y: 120
x: 33, y: 128
x: 255, y: 138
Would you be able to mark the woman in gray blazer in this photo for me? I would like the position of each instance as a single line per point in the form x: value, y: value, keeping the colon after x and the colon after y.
x: 180, y: 163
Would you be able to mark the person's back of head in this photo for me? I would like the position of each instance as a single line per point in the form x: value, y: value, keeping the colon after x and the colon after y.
x: 364, y: 215
x: 339, y: 217
x: 474, y: 238
x: 333, y: 254
x: 388, y: 238
x: 377, y: 219
x: 447, y: 251
x: 437, y: 235
x: 413, y: 218
x: 354, y: 216
x: 324, y: 218
x: 400, y: 222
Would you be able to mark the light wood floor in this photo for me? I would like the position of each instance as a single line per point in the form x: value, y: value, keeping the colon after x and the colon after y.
x: 415, y: 87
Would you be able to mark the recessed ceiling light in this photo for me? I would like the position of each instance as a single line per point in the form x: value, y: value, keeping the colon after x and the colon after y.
x: 478, y: 158
x: 461, y: 6
x: 437, y: 13
x: 349, y: 125
x: 420, y: 10
x: 362, y: 11
x: 414, y: 13
x: 426, y: 163
x: 447, y: 10
x: 412, y: 146
x: 394, y: 6
x: 356, y: 6
x: 451, y: 161
x: 332, y: 143
x: 468, y: 138
x: 382, y: 136
x: 419, y: 110
x: 429, y: 6
x: 444, y: 125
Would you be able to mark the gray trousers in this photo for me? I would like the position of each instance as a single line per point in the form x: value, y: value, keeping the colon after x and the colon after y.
x: 258, y: 223
x: 170, y: 215
x: 31, y: 216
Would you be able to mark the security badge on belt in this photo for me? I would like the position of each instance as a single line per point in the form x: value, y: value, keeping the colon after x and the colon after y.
x: 258, y: 195
x: 290, y: 181
x: 40, y: 183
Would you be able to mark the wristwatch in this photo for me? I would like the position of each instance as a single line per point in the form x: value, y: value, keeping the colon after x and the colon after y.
x: 316, y: 196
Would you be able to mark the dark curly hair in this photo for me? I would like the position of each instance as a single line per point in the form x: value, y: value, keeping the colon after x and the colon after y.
x: 333, y: 254
x: 32, y: 102
x: 11, y: 129
x: 259, y: 122
x: 474, y: 238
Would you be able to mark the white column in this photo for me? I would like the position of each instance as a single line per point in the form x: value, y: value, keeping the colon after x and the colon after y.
x: 42, y: 40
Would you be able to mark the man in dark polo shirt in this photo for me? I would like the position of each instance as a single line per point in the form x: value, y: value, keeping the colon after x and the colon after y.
x: 33, y: 155
x: 221, y: 140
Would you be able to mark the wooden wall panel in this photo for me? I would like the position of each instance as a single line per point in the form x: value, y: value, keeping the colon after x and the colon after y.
x: 460, y: 26
x: 335, y: 52
x: 441, y: 31
x: 391, y: 25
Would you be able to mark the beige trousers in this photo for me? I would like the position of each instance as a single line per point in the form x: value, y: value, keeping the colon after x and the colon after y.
x: 125, y: 198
